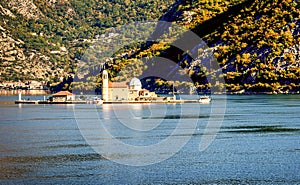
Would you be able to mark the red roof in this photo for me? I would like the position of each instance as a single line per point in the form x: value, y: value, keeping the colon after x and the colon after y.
x: 144, y: 90
x: 63, y: 93
x: 117, y: 85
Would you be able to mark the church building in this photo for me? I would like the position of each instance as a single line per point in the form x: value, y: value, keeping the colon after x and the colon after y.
x: 124, y: 91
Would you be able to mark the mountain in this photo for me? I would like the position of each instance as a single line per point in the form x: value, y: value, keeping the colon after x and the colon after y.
x: 256, y: 43
x: 44, y: 39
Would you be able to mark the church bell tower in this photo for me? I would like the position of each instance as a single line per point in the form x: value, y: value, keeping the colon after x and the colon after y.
x: 104, y: 85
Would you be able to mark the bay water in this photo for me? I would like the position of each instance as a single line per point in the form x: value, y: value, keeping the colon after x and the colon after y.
x: 258, y: 142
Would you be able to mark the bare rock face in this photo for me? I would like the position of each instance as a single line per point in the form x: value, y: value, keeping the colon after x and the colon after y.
x: 10, y: 49
x: 19, y: 64
x: 26, y: 8
x: 9, y: 53
x: 5, y: 11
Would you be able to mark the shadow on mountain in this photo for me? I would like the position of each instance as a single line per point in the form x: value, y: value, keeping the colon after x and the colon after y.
x: 205, y: 28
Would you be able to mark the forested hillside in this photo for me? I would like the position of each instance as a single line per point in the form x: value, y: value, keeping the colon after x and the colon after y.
x: 256, y: 43
x: 44, y: 39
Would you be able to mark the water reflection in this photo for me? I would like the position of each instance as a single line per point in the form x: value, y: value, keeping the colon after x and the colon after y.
x: 138, y: 117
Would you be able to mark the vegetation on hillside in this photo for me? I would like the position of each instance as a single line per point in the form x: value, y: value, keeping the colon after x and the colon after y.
x: 256, y: 43
x: 61, y: 33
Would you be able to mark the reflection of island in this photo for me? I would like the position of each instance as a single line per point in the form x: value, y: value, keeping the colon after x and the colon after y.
x: 124, y: 91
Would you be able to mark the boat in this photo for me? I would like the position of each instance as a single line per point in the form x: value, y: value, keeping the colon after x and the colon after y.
x: 204, y: 99
x: 98, y: 101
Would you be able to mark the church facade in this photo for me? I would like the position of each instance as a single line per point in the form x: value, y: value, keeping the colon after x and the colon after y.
x: 124, y: 91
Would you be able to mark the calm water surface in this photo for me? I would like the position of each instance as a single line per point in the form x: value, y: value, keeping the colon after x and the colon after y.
x: 258, y: 143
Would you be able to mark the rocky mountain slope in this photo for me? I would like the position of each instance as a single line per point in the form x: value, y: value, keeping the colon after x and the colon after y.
x: 44, y: 39
x: 24, y: 53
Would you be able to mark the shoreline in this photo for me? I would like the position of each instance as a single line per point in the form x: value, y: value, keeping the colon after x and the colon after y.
x: 40, y: 92
x: 106, y: 102
x: 33, y: 92
x: 37, y: 101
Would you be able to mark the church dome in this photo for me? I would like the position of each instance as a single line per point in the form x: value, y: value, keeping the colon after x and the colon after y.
x: 135, y: 84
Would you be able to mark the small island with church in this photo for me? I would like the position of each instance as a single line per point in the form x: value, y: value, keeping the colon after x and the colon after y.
x: 115, y: 93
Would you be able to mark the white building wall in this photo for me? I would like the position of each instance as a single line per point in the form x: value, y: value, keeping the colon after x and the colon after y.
x: 105, y: 85
x: 119, y: 94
